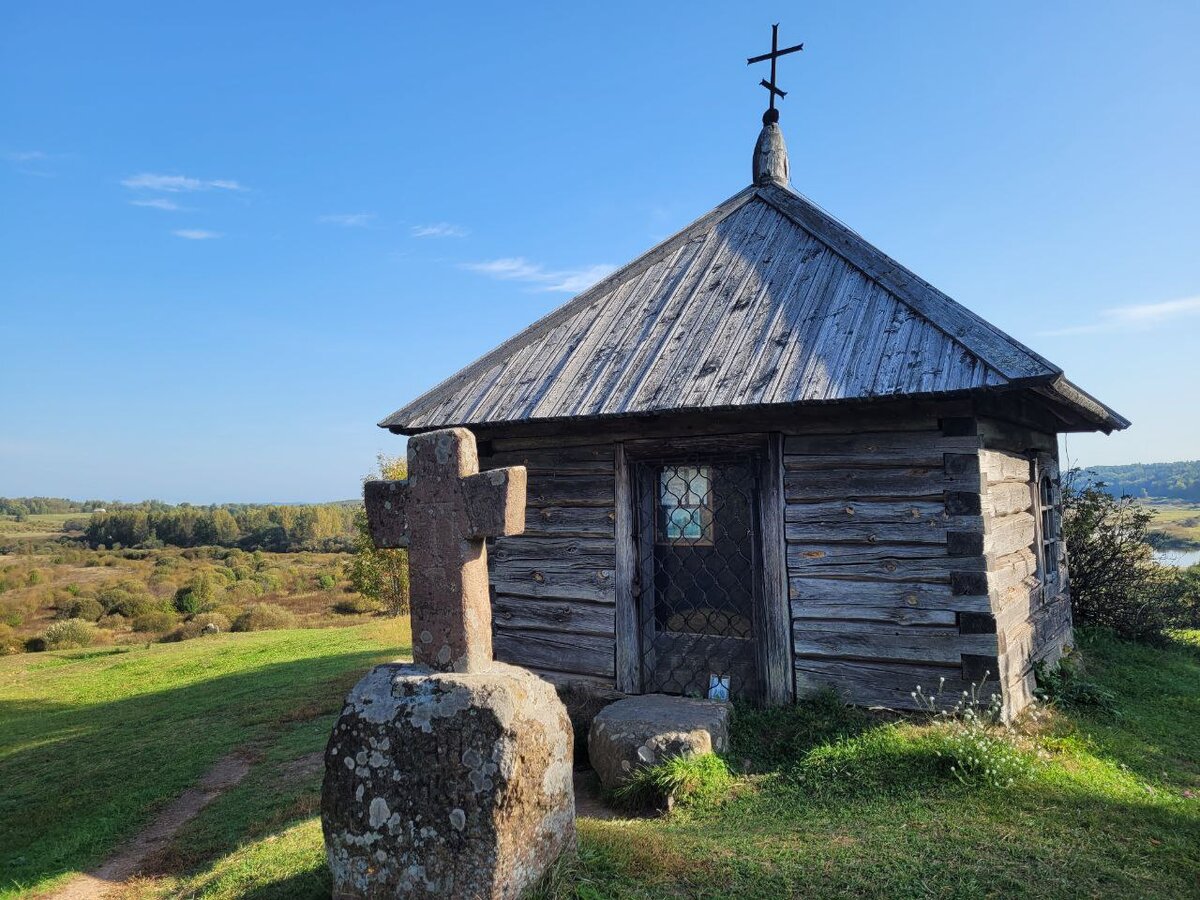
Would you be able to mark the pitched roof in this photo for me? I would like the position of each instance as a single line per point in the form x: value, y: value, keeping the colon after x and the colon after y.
x: 767, y: 300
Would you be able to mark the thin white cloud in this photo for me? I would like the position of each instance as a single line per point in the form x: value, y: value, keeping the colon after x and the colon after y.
x: 174, y: 184
x: 516, y: 268
x: 196, y: 234
x: 439, y: 230
x: 348, y: 220
x: 21, y: 156
x: 1140, y: 317
x: 157, y: 203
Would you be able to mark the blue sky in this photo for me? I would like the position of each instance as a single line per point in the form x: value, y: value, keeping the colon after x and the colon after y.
x: 233, y: 236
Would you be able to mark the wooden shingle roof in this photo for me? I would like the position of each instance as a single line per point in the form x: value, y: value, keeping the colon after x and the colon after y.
x: 767, y: 300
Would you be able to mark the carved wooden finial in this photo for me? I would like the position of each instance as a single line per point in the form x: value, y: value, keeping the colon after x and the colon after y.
x: 770, y: 153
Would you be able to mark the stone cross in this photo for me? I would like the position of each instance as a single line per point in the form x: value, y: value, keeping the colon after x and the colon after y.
x: 442, y: 513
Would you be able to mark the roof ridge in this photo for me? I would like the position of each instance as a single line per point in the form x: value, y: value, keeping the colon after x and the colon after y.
x: 998, y: 350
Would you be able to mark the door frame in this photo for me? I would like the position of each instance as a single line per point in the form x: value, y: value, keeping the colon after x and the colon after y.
x: 772, y: 612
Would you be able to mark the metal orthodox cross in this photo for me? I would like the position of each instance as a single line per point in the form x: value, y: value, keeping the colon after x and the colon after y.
x: 442, y: 513
x: 771, y: 87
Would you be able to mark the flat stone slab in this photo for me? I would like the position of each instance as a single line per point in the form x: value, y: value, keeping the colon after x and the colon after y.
x: 447, y: 784
x: 644, y: 731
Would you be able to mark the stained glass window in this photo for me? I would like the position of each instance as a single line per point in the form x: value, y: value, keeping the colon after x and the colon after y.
x: 685, y: 504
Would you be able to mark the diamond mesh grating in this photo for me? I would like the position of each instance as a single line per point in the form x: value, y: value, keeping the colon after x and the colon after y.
x: 697, y: 574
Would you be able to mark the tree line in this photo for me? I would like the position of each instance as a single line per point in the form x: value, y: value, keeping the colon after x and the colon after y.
x: 325, y: 527
x: 1172, y: 481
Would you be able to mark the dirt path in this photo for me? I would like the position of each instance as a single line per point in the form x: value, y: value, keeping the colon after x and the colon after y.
x: 227, y: 772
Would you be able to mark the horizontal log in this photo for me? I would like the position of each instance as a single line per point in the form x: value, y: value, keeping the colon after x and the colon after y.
x: 927, y: 531
x: 570, y: 490
x: 838, y: 591
x: 916, y: 645
x: 1009, y: 534
x: 1006, y: 498
x: 1000, y: 465
x: 889, y: 569
x: 858, y: 484
x: 578, y: 654
x: 1000, y: 435
x: 569, y: 521
x: 594, y: 552
x: 872, y: 511
x: 561, y: 616
x: 587, y: 460
x: 810, y: 555
x: 896, y: 614
x: 880, y: 684
x: 878, y: 444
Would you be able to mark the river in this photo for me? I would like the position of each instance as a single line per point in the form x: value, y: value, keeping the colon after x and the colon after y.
x: 1181, y: 558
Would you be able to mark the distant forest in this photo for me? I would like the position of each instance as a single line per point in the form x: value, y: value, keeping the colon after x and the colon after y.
x: 248, y: 526
x: 1172, y: 481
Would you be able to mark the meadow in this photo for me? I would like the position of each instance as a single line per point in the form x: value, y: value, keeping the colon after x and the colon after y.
x: 825, y: 799
x: 1176, y: 524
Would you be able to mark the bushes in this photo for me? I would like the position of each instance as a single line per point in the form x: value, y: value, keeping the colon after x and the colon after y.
x: 264, y: 617
x: 70, y: 634
x: 202, y: 593
x: 355, y: 604
x: 198, y: 626
x: 81, y: 608
x: 9, y: 642
x: 154, y: 621
x: 675, y: 778
x: 127, y: 598
x: 1115, y: 581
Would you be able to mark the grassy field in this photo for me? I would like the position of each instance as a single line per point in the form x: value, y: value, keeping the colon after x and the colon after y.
x: 37, y: 527
x: 828, y: 800
x: 1178, y: 522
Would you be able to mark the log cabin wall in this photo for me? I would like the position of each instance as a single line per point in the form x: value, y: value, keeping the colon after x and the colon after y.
x: 1029, y: 591
x: 553, y: 598
x: 886, y: 571
x: 904, y: 539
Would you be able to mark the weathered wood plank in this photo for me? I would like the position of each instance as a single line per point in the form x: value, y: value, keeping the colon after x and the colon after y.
x: 886, y: 569
x: 928, y: 531
x: 1007, y: 498
x: 998, y: 434
x: 913, y: 595
x: 916, y: 645
x: 628, y: 663
x: 774, y: 625
x: 594, y: 552
x: 559, y: 616
x: 579, y: 654
x: 857, y: 484
x: 560, y: 580
x: 569, y: 521
x: 570, y: 490
x: 583, y: 460
x: 880, y: 444
x: 873, y: 511
x: 810, y: 554
x: 894, y: 614
x: 1000, y: 465
x: 1009, y: 534
x: 880, y: 684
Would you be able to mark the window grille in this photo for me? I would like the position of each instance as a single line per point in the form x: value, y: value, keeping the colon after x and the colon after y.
x: 697, y: 573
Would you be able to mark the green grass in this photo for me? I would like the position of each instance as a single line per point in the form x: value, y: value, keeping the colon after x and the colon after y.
x: 92, y: 742
x: 829, y: 801
x: 39, y: 525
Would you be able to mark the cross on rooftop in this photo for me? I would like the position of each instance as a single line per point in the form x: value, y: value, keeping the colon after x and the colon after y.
x: 772, y: 114
x: 442, y: 513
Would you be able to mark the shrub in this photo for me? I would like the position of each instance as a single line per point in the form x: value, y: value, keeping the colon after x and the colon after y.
x: 202, y: 593
x: 154, y: 621
x: 264, y: 617
x: 113, y: 622
x: 81, y: 608
x: 355, y: 604
x: 1115, y: 581
x: 676, y: 778
x: 69, y: 634
x: 15, y: 610
x: 1064, y: 684
x: 9, y: 642
x: 200, y: 625
x: 326, y: 581
x: 127, y: 598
